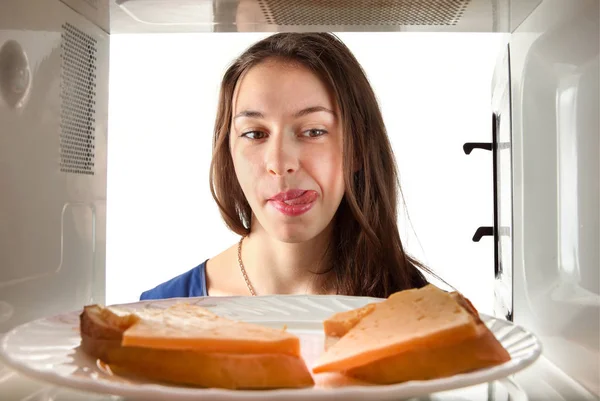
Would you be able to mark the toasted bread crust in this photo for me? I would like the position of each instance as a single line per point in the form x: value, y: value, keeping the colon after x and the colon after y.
x: 467, y: 305
x: 98, y: 337
x: 94, y: 326
x: 342, y: 322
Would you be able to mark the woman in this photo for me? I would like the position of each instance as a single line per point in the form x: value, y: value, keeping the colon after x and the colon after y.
x: 304, y: 172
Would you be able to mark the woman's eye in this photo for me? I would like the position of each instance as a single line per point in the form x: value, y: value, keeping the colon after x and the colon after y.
x: 314, y: 133
x: 254, y: 135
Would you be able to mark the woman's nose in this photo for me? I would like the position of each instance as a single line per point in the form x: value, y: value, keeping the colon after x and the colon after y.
x: 281, y: 156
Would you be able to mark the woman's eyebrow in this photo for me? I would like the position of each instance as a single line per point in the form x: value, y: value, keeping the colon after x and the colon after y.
x: 249, y: 113
x: 313, y: 109
x: 301, y: 113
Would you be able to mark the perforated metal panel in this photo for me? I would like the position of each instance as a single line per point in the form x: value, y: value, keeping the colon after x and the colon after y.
x: 78, y: 99
x: 363, y: 12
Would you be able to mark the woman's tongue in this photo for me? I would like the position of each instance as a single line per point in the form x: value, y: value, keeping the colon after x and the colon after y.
x: 306, y: 197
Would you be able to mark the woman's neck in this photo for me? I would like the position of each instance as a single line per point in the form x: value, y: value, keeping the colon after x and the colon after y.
x: 276, y: 267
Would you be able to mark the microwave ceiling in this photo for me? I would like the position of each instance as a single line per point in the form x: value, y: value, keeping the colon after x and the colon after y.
x: 181, y: 16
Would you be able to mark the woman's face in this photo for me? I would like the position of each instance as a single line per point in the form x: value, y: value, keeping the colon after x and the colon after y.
x: 286, y: 145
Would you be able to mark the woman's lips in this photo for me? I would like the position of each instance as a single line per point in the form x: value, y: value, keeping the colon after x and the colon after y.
x: 294, y: 202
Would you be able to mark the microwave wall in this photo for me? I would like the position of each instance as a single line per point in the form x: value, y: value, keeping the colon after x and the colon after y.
x: 53, y: 143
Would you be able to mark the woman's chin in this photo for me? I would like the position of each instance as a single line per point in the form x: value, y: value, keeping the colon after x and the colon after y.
x: 292, y: 230
x: 293, y: 236
x: 292, y: 233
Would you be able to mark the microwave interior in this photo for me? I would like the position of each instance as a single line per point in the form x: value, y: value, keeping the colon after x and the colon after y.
x: 71, y: 98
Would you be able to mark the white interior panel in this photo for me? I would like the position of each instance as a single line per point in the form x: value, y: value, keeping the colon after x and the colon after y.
x: 556, y: 183
x: 52, y: 163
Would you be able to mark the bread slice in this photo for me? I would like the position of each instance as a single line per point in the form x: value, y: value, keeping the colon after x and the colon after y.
x: 264, y: 364
x: 413, y: 335
x: 340, y: 323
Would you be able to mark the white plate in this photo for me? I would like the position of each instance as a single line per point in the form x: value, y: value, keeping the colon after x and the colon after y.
x: 47, y: 349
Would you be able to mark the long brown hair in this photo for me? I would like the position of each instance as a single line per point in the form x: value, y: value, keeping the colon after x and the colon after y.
x: 366, y: 253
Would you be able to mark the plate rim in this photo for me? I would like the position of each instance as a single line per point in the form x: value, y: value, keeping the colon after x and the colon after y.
x: 413, y: 388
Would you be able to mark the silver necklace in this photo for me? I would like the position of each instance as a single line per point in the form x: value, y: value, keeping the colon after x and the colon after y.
x: 243, y: 269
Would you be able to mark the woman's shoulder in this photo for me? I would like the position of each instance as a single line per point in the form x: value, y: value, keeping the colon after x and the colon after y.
x: 189, y: 284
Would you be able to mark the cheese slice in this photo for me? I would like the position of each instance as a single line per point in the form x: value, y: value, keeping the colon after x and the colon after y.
x: 407, y: 320
x: 189, y: 327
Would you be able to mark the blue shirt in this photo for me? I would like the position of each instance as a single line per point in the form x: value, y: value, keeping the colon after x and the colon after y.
x: 189, y: 284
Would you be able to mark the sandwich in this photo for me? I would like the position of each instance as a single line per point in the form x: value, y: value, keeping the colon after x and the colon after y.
x: 417, y: 334
x: 189, y: 345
